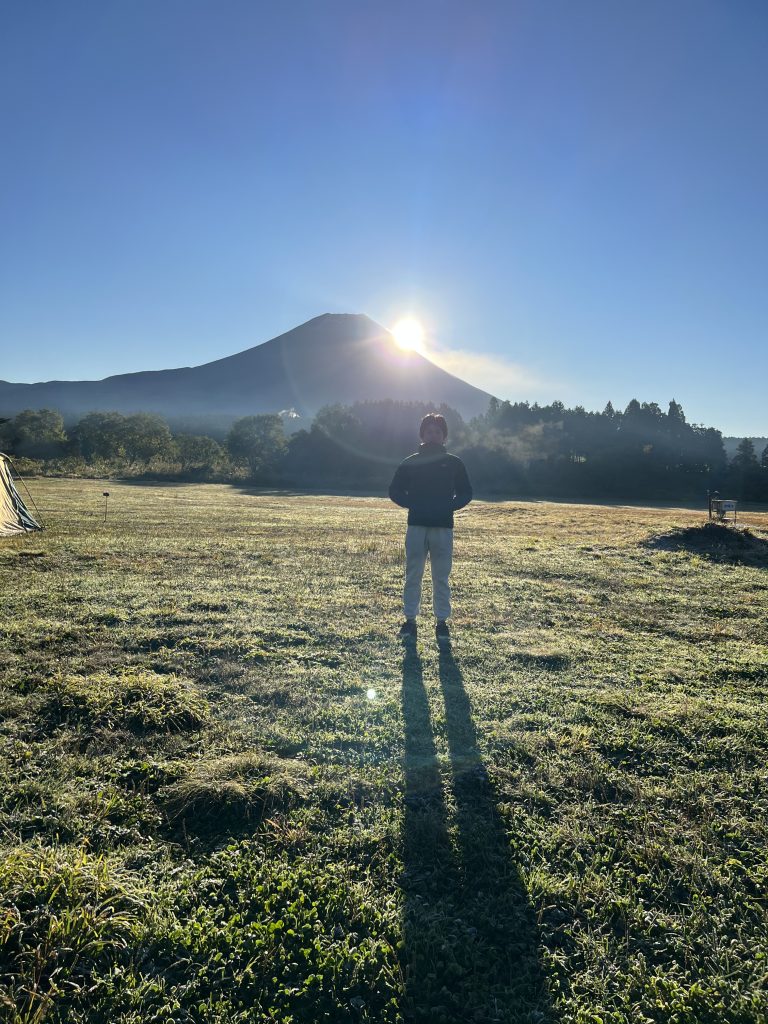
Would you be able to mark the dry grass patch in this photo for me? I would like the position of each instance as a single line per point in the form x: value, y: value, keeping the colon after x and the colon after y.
x: 139, y: 700
x: 65, y: 915
x: 562, y: 822
x: 736, y: 544
x: 237, y: 789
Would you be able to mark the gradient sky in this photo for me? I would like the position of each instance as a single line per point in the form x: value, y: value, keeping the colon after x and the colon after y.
x: 571, y: 196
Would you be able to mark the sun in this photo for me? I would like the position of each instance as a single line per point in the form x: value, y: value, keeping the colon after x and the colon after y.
x: 409, y: 334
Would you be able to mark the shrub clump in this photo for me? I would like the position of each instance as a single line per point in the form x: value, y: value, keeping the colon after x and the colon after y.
x: 231, y: 790
x: 139, y: 700
x: 65, y: 915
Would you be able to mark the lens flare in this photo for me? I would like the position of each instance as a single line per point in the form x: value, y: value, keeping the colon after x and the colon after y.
x: 409, y: 335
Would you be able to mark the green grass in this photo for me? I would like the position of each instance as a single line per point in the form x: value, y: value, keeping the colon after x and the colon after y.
x: 230, y: 795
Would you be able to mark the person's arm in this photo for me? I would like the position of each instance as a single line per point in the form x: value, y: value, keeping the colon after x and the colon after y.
x: 398, y: 489
x: 462, y: 487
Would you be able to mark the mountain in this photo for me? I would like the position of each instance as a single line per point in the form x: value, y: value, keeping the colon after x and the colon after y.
x: 336, y: 357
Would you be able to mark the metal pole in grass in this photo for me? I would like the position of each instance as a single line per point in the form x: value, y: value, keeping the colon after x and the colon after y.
x: 106, y: 499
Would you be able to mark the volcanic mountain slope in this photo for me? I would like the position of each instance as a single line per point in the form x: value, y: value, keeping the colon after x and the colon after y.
x: 337, y: 357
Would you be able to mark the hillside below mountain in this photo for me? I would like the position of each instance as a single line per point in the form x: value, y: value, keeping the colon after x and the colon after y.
x: 336, y: 357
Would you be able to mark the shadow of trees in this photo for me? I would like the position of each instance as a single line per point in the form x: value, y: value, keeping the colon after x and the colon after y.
x: 471, y: 939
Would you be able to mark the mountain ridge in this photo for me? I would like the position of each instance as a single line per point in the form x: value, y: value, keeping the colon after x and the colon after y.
x: 332, y: 358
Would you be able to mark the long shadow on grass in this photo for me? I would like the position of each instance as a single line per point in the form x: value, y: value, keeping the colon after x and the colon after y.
x: 471, y: 941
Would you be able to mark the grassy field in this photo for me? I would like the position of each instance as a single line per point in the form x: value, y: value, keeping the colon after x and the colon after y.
x: 230, y: 794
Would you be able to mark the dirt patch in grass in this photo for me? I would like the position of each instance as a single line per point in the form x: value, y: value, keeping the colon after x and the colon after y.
x: 736, y: 544
x: 547, y: 661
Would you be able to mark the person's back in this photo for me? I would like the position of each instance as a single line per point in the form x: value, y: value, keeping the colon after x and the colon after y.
x: 428, y: 480
x: 432, y: 484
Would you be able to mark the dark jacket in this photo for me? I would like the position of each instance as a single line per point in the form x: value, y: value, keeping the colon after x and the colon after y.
x: 432, y: 485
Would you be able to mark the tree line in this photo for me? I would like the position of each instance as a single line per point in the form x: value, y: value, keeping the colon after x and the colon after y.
x: 514, y: 449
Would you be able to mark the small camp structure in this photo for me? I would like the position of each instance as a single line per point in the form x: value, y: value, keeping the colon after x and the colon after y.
x: 14, y: 516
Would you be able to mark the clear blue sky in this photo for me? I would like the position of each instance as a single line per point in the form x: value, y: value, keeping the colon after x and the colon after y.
x: 572, y: 196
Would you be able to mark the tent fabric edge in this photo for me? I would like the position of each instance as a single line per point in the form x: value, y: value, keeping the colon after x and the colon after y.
x: 15, y: 517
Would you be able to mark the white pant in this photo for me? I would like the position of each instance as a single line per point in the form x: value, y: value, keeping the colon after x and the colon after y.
x: 437, y: 542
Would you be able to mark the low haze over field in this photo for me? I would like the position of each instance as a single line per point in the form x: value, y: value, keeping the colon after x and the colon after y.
x: 569, y: 198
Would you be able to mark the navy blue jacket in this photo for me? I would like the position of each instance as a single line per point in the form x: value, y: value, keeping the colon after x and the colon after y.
x: 432, y: 485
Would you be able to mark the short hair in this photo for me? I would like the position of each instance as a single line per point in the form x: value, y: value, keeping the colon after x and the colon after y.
x: 437, y: 419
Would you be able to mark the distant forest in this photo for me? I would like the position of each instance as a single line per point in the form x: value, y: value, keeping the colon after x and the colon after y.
x: 514, y: 450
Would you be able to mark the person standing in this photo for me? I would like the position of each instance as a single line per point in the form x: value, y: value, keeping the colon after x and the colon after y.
x: 432, y: 485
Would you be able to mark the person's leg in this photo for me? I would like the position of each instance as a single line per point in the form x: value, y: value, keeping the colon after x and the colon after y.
x: 441, y: 558
x: 415, y: 559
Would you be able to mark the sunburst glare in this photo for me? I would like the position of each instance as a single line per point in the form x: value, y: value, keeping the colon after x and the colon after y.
x: 409, y: 334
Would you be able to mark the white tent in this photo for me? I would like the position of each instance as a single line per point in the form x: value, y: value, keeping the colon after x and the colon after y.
x: 14, y: 516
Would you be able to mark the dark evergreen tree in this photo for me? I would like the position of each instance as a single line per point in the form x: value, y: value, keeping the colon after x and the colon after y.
x: 745, y: 458
x: 744, y: 477
x: 675, y: 414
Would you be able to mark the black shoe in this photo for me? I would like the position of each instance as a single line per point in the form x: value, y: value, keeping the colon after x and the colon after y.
x: 408, y: 629
x: 443, y: 633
